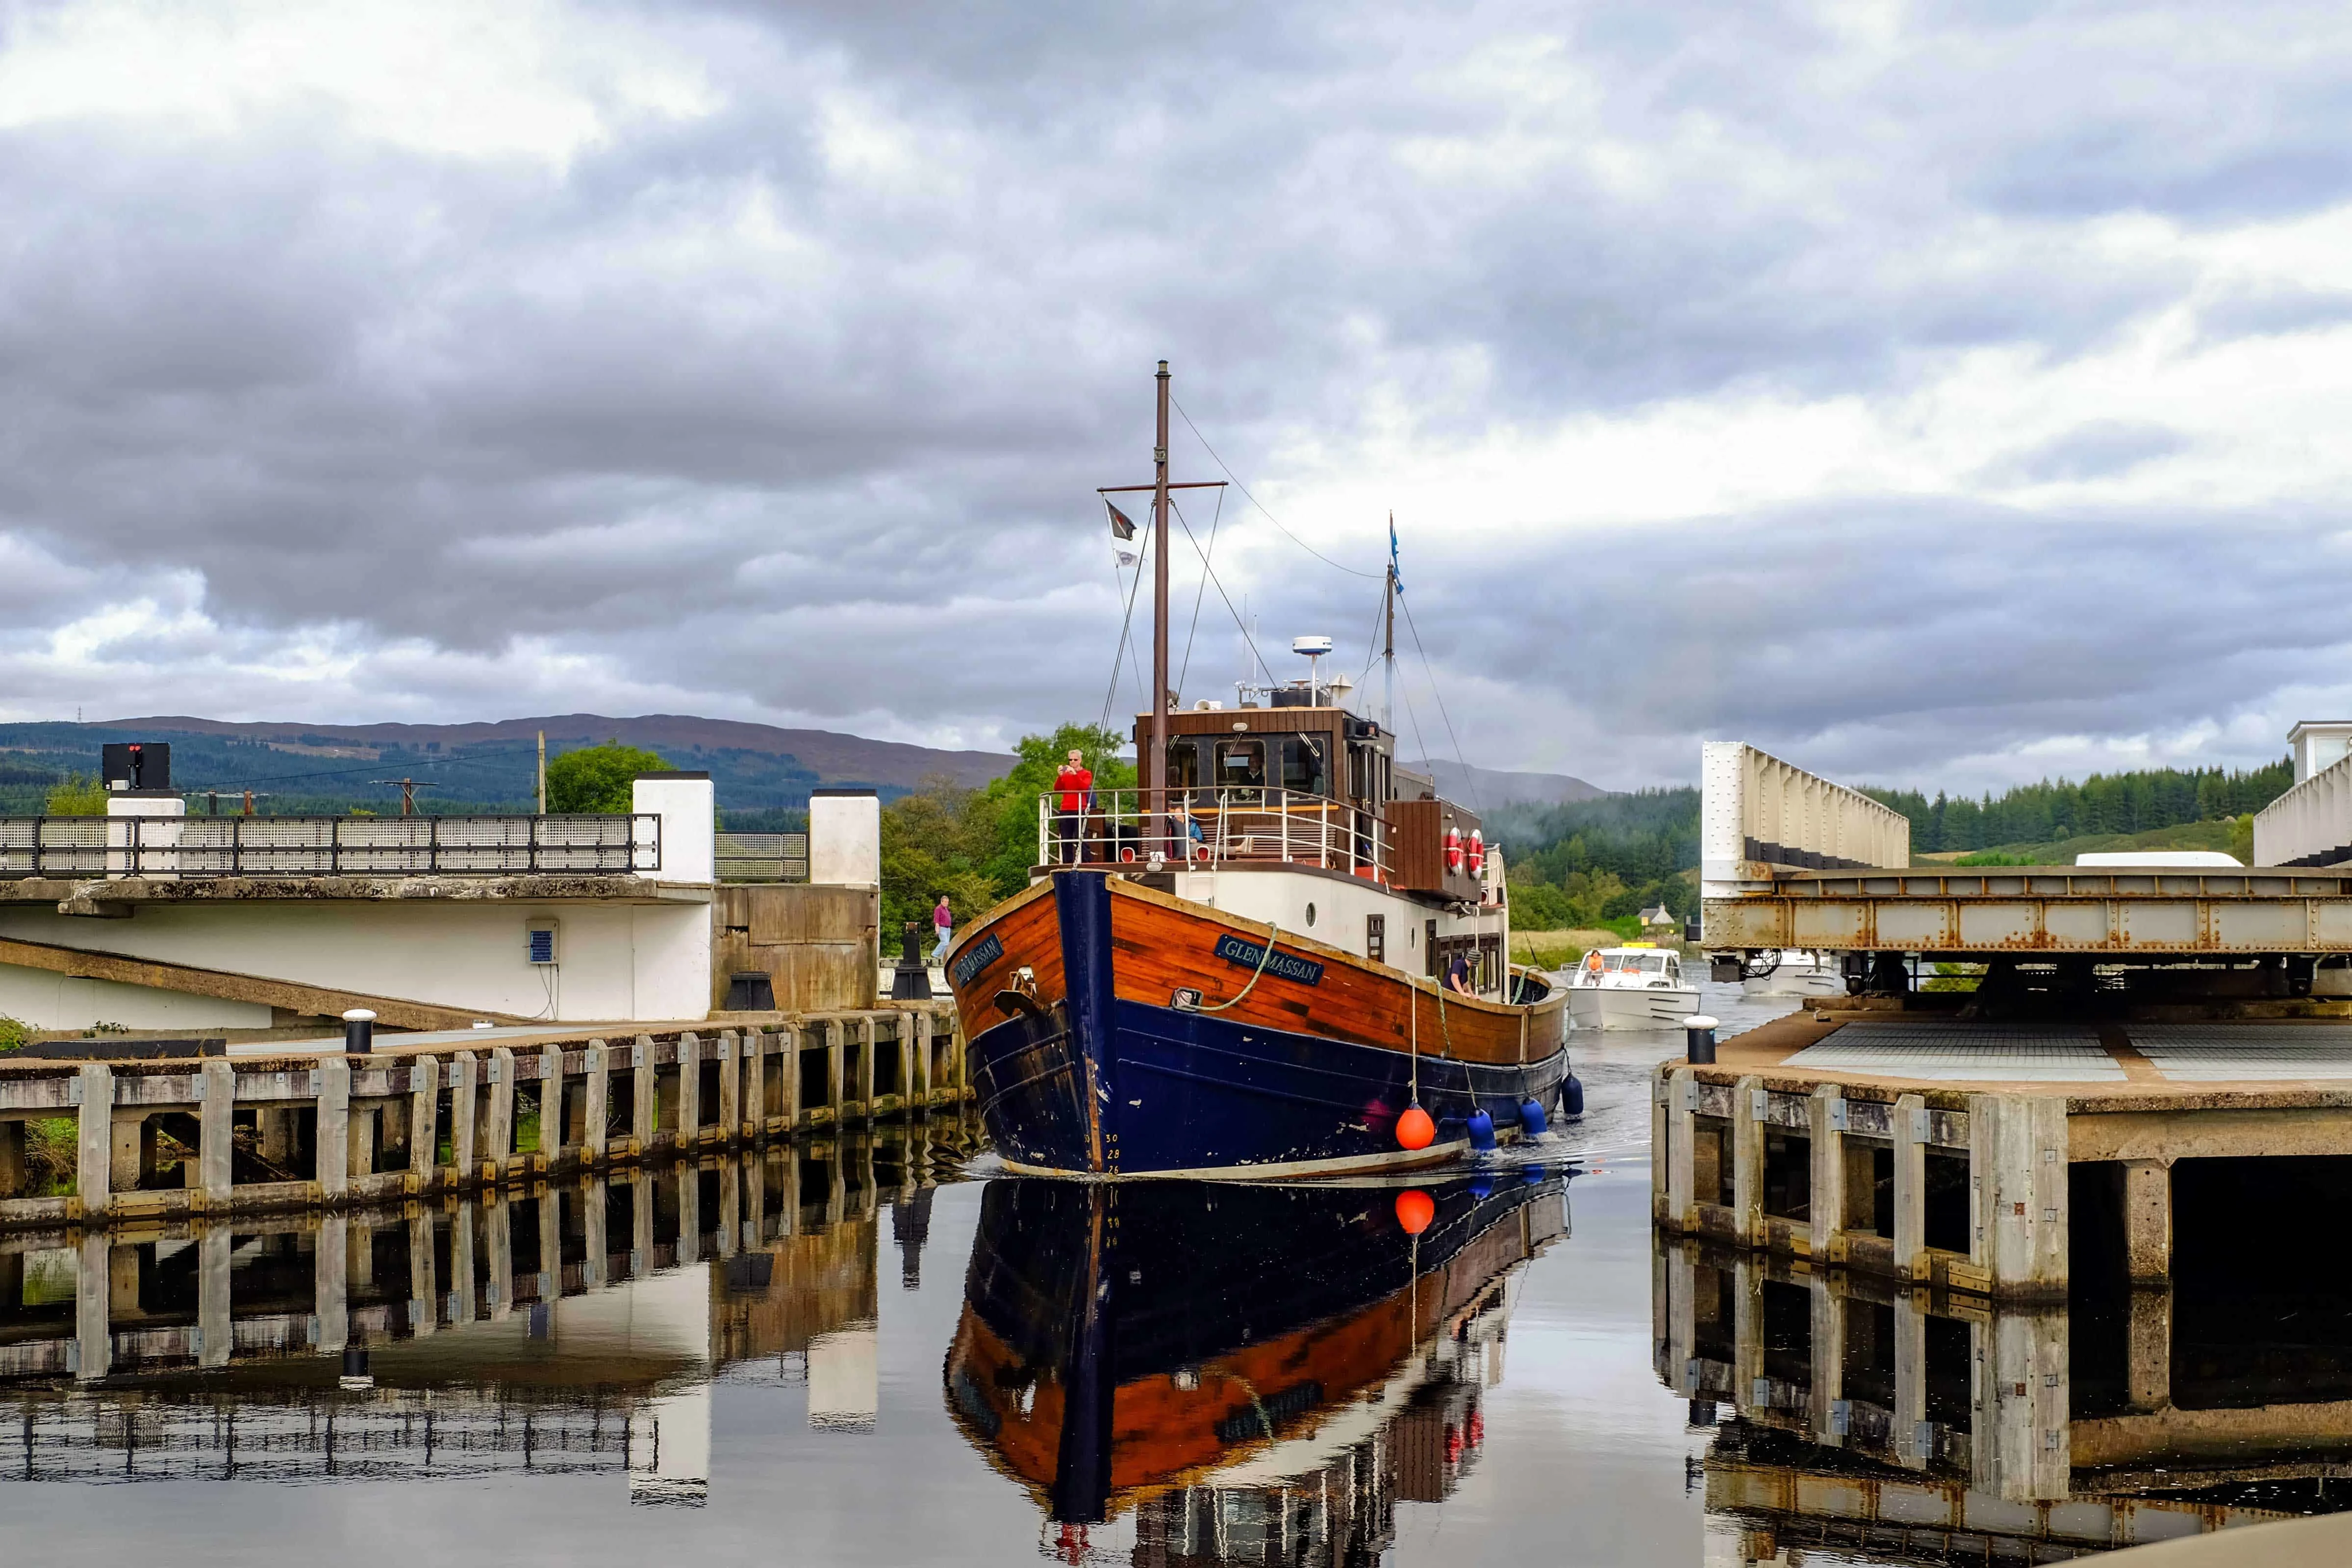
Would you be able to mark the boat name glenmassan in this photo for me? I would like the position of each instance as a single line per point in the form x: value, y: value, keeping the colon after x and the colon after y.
x: 1283, y: 954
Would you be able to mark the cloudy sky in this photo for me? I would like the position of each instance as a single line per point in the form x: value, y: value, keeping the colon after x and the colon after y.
x: 1938, y: 394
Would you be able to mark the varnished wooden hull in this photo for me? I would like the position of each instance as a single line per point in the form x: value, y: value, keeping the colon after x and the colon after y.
x: 1082, y: 1064
x: 1115, y: 1342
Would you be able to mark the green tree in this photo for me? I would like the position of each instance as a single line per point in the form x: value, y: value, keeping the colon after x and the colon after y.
x: 598, y: 778
x: 1013, y: 799
x: 77, y: 795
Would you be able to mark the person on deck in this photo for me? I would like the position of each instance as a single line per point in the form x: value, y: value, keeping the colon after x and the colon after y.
x: 1457, y: 973
x: 1072, y: 786
x: 943, y: 922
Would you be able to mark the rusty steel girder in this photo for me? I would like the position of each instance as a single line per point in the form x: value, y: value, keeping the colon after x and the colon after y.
x: 2059, y: 910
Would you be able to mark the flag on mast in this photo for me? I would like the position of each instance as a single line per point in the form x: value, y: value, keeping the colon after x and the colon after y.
x: 1121, y: 525
x: 1394, y: 575
x: 1126, y: 558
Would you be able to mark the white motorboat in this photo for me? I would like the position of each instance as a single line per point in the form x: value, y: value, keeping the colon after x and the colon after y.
x: 1632, y: 987
x: 1796, y: 972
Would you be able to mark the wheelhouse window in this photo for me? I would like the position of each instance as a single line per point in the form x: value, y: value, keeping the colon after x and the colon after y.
x: 1302, y: 764
x: 1241, y: 764
x: 1184, y: 767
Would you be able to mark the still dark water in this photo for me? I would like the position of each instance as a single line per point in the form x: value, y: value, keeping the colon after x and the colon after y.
x: 876, y: 1353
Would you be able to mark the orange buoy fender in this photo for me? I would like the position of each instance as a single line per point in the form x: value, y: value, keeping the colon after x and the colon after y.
x: 1414, y: 1129
x: 1414, y: 1210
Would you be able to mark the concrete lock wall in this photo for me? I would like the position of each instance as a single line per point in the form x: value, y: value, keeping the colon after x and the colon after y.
x: 615, y: 961
x: 687, y: 806
x: 846, y: 837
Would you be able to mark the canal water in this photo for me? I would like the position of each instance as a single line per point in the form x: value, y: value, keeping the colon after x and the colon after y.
x: 879, y: 1351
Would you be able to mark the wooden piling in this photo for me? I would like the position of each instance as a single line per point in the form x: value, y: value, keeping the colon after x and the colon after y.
x: 596, y: 1102
x: 498, y: 1118
x: 332, y: 1144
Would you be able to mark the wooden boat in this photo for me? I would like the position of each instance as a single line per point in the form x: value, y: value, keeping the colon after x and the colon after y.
x: 1119, y: 1342
x: 1242, y: 968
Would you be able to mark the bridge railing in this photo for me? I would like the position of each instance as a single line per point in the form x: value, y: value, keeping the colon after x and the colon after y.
x: 1759, y: 816
x: 85, y: 847
x: 2310, y: 825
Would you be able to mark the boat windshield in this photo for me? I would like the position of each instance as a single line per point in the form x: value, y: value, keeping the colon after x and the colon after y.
x: 1655, y: 963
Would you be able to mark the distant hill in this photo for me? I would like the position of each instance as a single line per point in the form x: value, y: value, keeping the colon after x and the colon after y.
x: 755, y: 768
x: 1484, y: 789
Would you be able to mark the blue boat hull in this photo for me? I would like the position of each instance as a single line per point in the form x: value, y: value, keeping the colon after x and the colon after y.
x: 1114, y: 1086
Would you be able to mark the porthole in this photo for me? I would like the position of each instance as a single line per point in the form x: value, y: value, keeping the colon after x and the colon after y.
x: 1310, y: 914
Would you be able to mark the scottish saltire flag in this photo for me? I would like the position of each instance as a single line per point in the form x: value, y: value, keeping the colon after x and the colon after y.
x: 1121, y: 525
x: 1393, y: 573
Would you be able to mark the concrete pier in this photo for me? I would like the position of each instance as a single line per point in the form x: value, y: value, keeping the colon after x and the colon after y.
x: 440, y: 1115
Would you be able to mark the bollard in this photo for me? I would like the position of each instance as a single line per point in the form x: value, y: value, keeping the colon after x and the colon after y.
x: 911, y: 980
x: 358, y: 1031
x: 1698, y: 1040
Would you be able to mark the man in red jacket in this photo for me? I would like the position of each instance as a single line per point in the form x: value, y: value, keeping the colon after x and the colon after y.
x: 1073, y: 786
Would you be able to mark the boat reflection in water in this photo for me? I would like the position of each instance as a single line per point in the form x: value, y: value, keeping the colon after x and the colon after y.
x: 1185, y: 1372
x: 574, y: 1328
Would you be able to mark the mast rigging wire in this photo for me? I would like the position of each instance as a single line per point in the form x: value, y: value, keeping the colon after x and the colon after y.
x: 1199, y: 591
x: 1212, y: 574
x: 1259, y: 504
x: 1467, y: 782
x: 1126, y: 639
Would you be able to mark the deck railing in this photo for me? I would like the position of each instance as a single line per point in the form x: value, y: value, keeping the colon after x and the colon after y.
x: 1211, y: 827
x: 74, y: 848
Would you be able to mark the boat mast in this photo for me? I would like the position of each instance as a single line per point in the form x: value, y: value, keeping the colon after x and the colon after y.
x: 1155, y: 768
x: 1387, y: 653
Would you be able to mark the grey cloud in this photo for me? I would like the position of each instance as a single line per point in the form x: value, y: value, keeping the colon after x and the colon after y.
x: 2100, y: 449
x: 838, y: 462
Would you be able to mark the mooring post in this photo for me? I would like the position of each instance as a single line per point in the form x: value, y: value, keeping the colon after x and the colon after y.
x: 329, y: 1274
x: 465, y: 1119
x: 1682, y: 1150
x: 551, y: 1146
x: 689, y: 1090
x: 730, y: 1205
x: 755, y: 1199
x: 461, y: 1260
x: 1751, y: 1390
x: 689, y: 1213
x: 93, y: 1286
x: 2148, y: 1348
x: 498, y: 1241
x: 1913, y: 1438
x: 424, y: 1301
x: 2017, y: 1156
x: 1825, y: 1126
x: 2148, y: 1219
x: 794, y: 1035
x: 643, y: 1115
x: 641, y: 1222
x: 216, y: 1136
x: 497, y: 1120
x: 216, y: 1329
x: 870, y: 1044
x: 423, y: 1116
x: 596, y: 1092
x: 1911, y: 1186
x: 332, y: 1153
x: 834, y: 1049
x: 919, y: 1022
x: 94, y: 1151
x: 551, y: 1243
x: 1749, y: 1105
x: 729, y: 1129
x: 2020, y: 1448
x: 751, y: 1124
x: 595, y: 1198
x: 1828, y: 1377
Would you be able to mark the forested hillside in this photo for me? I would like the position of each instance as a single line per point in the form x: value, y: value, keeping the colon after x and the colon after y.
x: 2048, y: 812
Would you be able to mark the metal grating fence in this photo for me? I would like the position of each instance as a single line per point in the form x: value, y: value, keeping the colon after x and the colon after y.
x: 196, y: 846
x: 762, y: 857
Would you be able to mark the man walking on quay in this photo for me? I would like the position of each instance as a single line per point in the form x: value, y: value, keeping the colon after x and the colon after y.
x: 1072, y: 785
x: 943, y: 922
